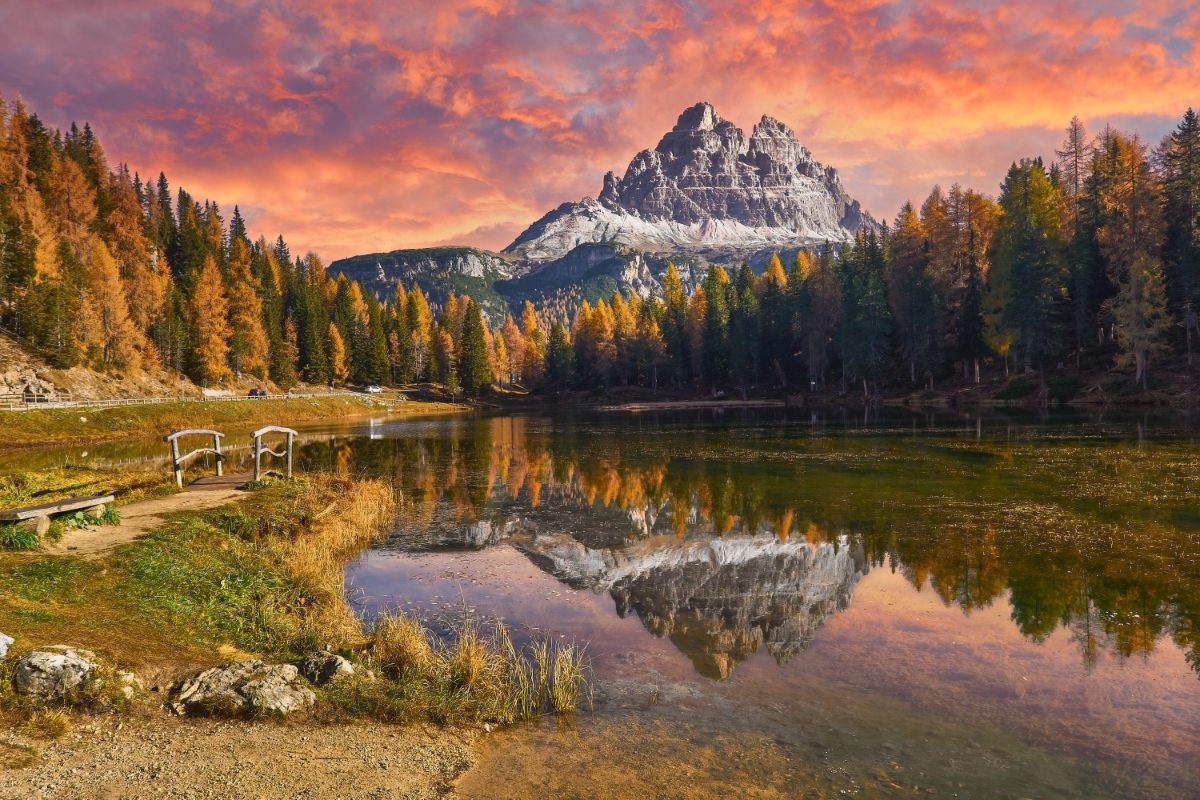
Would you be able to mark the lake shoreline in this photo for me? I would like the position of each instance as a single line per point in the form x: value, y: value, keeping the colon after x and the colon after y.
x: 58, y: 426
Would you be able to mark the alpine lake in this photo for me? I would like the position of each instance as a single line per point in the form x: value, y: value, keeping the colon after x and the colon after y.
x: 787, y: 604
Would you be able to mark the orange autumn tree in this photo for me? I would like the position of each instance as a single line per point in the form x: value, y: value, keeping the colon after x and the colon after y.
x: 208, y: 314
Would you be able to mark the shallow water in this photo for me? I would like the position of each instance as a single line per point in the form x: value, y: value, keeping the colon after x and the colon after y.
x: 783, y: 606
x: 774, y: 606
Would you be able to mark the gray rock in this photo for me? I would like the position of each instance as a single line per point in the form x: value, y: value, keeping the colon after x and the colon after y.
x: 244, y: 687
x: 5, y: 643
x: 53, y: 671
x: 322, y: 667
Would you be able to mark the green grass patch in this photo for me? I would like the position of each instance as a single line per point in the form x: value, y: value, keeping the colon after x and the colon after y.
x: 18, y: 537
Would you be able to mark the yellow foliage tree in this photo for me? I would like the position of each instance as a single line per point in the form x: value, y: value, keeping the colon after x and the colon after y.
x: 107, y: 333
x: 208, y: 314
x: 337, y: 355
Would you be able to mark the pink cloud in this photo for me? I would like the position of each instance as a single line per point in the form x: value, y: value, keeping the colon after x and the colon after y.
x: 359, y: 126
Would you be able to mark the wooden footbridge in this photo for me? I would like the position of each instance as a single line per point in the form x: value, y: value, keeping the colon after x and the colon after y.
x: 220, y: 479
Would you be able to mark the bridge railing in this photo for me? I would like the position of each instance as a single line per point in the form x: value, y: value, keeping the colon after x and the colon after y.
x: 177, y: 460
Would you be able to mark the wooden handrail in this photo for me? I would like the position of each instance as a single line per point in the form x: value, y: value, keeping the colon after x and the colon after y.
x: 260, y: 449
x: 170, y: 437
x: 177, y: 460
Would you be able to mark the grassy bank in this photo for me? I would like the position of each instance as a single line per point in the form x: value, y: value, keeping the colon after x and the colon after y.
x: 81, y: 425
x: 264, y: 578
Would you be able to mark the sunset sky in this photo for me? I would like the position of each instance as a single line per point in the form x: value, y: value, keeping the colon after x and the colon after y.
x: 353, y: 126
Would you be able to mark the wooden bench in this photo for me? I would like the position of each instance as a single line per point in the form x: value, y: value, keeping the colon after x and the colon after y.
x: 38, y: 516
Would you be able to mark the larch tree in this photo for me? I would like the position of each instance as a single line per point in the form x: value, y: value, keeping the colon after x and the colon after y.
x: 249, y: 350
x: 208, y: 313
x: 338, y: 358
x: 1140, y: 316
x: 106, y: 330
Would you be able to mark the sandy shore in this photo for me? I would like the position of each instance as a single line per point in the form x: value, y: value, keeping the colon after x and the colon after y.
x: 106, y: 758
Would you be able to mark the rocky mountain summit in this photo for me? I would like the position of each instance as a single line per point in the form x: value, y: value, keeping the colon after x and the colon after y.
x: 706, y: 189
x: 706, y: 193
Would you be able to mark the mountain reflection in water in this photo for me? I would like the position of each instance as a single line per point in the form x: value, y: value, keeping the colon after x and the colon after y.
x: 728, y: 539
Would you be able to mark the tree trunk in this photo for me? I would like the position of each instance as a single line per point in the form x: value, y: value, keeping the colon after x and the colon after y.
x: 977, y: 372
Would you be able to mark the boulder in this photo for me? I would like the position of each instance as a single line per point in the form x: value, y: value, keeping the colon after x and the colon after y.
x: 5, y: 643
x: 244, y: 687
x: 53, y: 671
x: 322, y: 667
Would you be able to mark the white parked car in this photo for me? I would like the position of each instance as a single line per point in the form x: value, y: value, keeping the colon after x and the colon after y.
x: 374, y: 389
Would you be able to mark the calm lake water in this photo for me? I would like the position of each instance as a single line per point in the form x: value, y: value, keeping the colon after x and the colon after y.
x: 783, y: 606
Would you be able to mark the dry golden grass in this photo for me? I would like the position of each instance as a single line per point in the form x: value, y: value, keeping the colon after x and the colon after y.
x: 47, y: 723
x: 345, y: 517
x: 472, y: 674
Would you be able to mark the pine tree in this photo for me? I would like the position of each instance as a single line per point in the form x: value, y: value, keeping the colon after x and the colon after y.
x: 474, y: 372
x: 1180, y: 156
x: 1027, y: 254
x: 911, y: 294
x: 560, y: 356
x: 715, y: 350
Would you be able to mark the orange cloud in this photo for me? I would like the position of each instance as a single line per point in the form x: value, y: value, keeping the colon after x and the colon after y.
x: 364, y: 125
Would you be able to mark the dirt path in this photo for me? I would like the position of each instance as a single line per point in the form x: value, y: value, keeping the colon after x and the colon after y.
x: 137, y: 519
x: 110, y: 759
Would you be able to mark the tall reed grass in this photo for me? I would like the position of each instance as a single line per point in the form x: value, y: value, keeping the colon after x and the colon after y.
x: 471, y: 674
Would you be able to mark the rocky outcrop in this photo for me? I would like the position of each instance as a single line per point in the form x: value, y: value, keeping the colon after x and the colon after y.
x: 706, y: 189
x: 323, y: 667
x: 5, y: 643
x: 244, y: 688
x: 53, y: 671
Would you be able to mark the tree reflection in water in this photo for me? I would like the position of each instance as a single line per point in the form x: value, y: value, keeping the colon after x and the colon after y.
x: 729, y: 538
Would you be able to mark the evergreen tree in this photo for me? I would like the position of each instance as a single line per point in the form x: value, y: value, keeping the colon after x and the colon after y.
x: 1027, y: 251
x: 473, y: 371
x: 715, y: 350
x: 560, y: 356
x: 1180, y: 156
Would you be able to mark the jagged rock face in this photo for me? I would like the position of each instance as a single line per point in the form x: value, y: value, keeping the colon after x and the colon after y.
x: 706, y: 188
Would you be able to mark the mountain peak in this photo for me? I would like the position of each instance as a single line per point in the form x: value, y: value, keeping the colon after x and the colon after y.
x: 706, y: 189
x: 700, y: 117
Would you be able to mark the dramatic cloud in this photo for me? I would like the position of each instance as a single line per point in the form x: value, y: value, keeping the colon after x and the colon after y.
x: 354, y: 126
